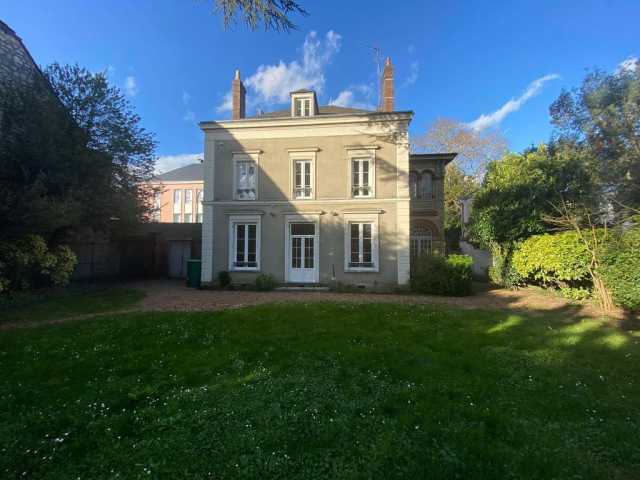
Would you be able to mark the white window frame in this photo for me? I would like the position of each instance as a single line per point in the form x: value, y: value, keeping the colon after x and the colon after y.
x: 246, y: 157
x: 177, y: 206
x: 302, y: 156
x: 235, y: 220
x: 199, y: 206
x: 368, y: 154
x: 361, y: 218
x: 307, y: 107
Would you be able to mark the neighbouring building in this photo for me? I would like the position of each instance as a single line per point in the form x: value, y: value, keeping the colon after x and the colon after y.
x: 315, y: 194
x: 178, y: 195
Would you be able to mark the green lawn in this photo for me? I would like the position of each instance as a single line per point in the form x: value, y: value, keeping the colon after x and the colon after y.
x: 62, y: 305
x: 320, y: 391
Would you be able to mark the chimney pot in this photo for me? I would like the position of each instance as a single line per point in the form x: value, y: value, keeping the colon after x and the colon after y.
x: 238, y: 94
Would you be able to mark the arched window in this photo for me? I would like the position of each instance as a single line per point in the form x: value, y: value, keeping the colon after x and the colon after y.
x: 426, y: 186
x: 420, y: 240
x: 413, y: 184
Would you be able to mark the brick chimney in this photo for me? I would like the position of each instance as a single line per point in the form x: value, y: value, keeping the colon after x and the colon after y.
x: 237, y: 97
x: 387, y: 86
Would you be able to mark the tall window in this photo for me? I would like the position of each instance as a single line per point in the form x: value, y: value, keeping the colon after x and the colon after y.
x: 245, y: 176
x: 420, y: 241
x: 361, y: 246
x: 303, y: 179
x: 421, y: 185
x: 361, y: 177
x: 245, y: 245
x: 199, y: 206
x: 157, y: 199
x: 188, y: 206
x: 177, y: 205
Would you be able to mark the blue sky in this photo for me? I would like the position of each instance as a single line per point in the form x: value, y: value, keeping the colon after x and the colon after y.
x: 490, y: 64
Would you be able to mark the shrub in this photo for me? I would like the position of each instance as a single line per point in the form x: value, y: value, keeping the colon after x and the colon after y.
x: 621, y: 270
x: 502, y: 271
x: 224, y: 279
x: 28, y: 263
x: 442, y: 276
x: 265, y: 282
x: 558, y: 261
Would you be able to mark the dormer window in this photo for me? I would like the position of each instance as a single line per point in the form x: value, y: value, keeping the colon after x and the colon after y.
x: 303, y: 103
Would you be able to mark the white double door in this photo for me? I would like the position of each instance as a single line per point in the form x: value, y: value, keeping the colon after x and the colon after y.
x: 302, y: 252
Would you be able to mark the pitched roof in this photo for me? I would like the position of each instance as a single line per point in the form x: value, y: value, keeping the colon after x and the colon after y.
x: 189, y: 173
x: 323, y: 110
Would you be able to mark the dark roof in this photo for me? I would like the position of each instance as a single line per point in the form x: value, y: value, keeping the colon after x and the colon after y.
x: 301, y: 90
x: 188, y: 173
x: 447, y: 157
x: 324, y: 110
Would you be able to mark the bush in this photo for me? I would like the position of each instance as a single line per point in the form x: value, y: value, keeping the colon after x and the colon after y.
x: 28, y: 263
x: 224, y: 279
x: 621, y: 270
x: 502, y: 271
x: 558, y: 261
x: 265, y: 282
x: 442, y: 276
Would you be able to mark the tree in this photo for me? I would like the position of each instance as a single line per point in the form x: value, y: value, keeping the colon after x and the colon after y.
x: 520, y: 189
x: 272, y: 14
x: 603, y: 118
x: 113, y: 135
x: 475, y: 149
x: 45, y: 168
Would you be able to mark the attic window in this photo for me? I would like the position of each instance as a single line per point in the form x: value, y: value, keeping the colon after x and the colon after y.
x: 302, y: 105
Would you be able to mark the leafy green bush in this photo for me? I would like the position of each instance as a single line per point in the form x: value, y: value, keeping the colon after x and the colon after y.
x: 438, y: 275
x: 621, y: 269
x: 502, y: 271
x: 265, y: 282
x: 28, y: 263
x: 224, y: 279
x: 558, y: 260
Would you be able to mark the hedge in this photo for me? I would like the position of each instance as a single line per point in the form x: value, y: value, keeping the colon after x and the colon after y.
x: 438, y: 275
x: 621, y: 269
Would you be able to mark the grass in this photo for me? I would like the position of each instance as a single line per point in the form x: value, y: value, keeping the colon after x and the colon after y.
x: 63, y: 305
x: 320, y: 391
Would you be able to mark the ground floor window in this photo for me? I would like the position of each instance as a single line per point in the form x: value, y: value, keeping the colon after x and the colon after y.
x: 244, y: 241
x: 421, y: 241
x: 361, y: 244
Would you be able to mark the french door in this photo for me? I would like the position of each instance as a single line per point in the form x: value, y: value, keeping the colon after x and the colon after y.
x: 302, y: 255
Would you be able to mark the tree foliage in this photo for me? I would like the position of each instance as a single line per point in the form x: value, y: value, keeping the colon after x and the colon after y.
x: 603, y: 118
x: 457, y: 185
x: 519, y: 190
x: 114, y: 133
x: 475, y: 149
x: 271, y: 14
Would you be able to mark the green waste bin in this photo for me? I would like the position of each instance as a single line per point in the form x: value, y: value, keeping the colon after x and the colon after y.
x: 193, y: 273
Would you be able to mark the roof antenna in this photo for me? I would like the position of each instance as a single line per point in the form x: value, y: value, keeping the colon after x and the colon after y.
x: 377, y: 56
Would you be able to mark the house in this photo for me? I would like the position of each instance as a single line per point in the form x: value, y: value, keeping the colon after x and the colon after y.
x: 314, y: 194
x: 178, y: 195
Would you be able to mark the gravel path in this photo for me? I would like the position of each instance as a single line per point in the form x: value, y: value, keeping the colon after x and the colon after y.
x: 168, y: 295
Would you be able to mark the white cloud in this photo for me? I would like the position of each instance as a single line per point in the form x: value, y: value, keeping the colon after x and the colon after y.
x: 493, y: 119
x: 167, y: 163
x: 629, y: 64
x: 186, y: 98
x: 130, y: 86
x: 189, y: 116
x: 227, y: 103
x: 414, y: 70
x: 356, y: 96
x: 271, y: 84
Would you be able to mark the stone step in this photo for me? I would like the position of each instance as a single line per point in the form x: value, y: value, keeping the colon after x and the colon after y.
x: 302, y: 288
